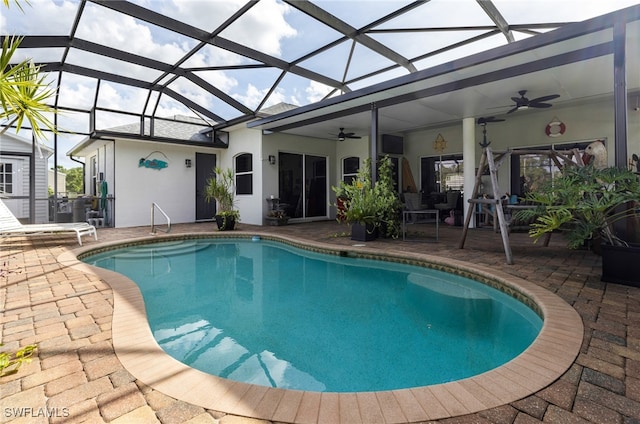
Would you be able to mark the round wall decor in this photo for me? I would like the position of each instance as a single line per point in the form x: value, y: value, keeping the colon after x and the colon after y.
x: 555, y: 128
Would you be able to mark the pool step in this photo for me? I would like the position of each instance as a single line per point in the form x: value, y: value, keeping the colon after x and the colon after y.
x: 166, y: 249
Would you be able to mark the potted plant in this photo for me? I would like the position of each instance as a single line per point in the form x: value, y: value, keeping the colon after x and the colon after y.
x: 367, y: 207
x: 277, y: 217
x: 588, y: 204
x: 220, y: 188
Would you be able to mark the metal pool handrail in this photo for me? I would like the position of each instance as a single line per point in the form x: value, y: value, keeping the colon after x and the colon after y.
x: 155, y: 206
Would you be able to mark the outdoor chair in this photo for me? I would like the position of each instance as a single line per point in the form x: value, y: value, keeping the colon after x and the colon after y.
x: 412, y: 203
x: 451, y: 203
x: 11, y: 227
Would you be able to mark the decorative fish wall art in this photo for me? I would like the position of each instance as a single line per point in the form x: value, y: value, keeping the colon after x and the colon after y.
x: 153, y: 163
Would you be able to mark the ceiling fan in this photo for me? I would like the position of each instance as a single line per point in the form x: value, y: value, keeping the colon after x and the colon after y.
x: 484, y: 121
x: 524, y: 103
x: 343, y: 135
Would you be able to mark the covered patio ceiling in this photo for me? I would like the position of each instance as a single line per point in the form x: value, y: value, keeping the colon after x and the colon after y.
x: 424, y: 63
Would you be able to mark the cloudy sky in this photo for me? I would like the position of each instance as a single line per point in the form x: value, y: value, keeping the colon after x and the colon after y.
x: 270, y: 27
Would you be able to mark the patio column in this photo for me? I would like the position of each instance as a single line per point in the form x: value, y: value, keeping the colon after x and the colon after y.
x: 620, y: 93
x: 373, y: 141
x: 469, y: 162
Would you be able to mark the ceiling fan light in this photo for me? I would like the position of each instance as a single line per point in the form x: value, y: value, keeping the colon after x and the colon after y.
x: 340, y: 138
x: 523, y: 107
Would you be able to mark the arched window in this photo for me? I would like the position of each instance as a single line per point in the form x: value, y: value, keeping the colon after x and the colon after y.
x: 350, y: 168
x: 244, y: 173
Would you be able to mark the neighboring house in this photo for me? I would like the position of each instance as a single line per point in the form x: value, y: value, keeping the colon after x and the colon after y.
x: 15, y: 155
x: 61, y: 183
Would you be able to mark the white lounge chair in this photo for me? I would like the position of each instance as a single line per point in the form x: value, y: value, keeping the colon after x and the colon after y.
x: 11, y: 227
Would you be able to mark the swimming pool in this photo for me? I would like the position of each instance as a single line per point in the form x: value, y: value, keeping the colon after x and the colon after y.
x: 266, y: 313
x: 550, y: 355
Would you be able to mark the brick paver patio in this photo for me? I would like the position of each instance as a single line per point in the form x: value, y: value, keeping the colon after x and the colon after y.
x: 76, y: 377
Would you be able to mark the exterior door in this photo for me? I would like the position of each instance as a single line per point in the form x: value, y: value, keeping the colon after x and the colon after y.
x: 205, y: 164
x: 303, y: 185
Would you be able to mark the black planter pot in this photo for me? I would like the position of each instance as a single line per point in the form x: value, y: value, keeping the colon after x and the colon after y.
x: 225, y: 223
x: 362, y: 232
x: 618, y: 264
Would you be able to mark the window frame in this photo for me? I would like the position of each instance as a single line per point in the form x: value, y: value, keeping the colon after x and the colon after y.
x: 347, y: 177
x: 3, y: 178
x: 243, y: 173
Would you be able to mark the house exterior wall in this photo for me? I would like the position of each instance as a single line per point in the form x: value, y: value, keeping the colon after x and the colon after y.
x: 20, y: 207
x: 245, y: 140
x: 137, y: 187
x: 173, y: 188
x: 275, y: 143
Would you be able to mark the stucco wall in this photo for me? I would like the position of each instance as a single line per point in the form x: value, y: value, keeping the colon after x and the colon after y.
x: 244, y: 140
x: 275, y: 143
x: 136, y: 188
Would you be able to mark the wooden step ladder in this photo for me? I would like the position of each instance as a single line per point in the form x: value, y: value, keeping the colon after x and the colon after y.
x: 493, y: 163
x: 561, y: 158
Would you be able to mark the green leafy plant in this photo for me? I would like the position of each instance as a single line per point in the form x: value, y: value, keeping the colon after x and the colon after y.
x: 389, y: 203
x: 23, y: 91
x: 221, y: 189
x: 10, y: 362
x: 584, y: 203
x: 277, y: 214
x: 368, y: 204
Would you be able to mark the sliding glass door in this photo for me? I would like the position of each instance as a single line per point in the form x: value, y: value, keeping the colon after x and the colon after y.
x: 303, y: 185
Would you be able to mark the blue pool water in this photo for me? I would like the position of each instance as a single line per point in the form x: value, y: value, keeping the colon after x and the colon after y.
x: 266, y: 313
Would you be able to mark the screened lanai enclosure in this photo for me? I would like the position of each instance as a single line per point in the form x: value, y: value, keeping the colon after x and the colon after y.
x: 194, y: 73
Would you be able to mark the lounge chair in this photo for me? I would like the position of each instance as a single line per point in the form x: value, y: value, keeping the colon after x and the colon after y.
x: 11, y: 227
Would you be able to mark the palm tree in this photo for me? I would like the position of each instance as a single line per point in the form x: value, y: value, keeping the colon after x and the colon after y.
x: 23, y: 91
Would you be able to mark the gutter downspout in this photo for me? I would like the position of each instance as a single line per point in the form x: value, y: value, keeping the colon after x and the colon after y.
x: 83, y: 171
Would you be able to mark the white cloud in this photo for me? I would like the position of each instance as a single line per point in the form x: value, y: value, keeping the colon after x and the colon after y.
x: 252, y: 97
x: 317, y: 91
x: 262, y: 28
x: 112, y: 29
x: 41, y: 17
x: 218, y: 79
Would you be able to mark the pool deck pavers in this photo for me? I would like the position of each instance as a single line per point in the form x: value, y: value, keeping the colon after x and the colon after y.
x: 76, y: 376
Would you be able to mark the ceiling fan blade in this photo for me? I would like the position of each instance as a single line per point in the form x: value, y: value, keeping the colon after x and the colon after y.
x: 540, y: 105
x: 514, y: 109
x: 518, y: 100
x: 352, y: 136
x: 488, y: 120
x: 544, y: 98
